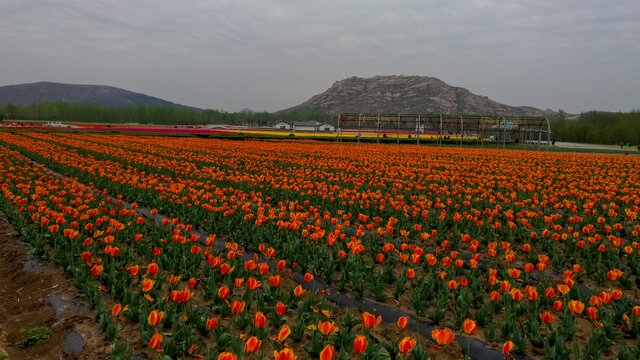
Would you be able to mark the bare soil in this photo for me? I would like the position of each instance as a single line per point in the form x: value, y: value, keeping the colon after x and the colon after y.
x: 23, y: 305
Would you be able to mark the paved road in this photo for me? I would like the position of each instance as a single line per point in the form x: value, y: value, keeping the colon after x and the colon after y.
x: 571, y: 145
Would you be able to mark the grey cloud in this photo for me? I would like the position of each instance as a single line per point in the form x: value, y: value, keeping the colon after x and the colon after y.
x: 271, y: 54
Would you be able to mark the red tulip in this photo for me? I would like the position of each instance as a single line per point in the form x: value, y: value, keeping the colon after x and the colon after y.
x: 403, y: 322
x: 275, y: 281
x: 360, y: 344
x: 557, y: 305
x: 546, y: 317
x: 155, y: 342
x: 259, y: 320
x: 469, y: 326
x: 212, y: 323
x: 507, y: 347
x: 281, y: 309
x: 223, y: 292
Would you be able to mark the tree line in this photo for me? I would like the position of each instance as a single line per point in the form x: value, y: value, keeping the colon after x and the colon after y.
x: 589, y: 127
x: 598, y: 127
x: 144, y: 114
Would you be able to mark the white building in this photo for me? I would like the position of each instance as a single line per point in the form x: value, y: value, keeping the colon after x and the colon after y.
x: 282, y: 125
x: 305, y: 126
x: 216, y: 126
x: 326, y: 127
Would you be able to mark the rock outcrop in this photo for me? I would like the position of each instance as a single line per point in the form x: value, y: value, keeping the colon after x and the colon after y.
x: 408, y: 95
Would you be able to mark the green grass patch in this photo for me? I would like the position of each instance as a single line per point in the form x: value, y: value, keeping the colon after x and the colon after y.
x: 34, y: 335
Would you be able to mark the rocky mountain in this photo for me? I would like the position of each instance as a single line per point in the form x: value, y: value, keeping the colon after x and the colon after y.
x: 109, y: 96
x: 408, y: 95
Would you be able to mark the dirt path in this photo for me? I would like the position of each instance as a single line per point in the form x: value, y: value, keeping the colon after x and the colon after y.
x: 36, y: 293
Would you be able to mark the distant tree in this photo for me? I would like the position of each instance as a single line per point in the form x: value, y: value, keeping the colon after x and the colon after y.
x: 11, y: 111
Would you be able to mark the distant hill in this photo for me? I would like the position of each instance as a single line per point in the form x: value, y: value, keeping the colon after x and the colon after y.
x: 409, y: 95
x: 108, y: 96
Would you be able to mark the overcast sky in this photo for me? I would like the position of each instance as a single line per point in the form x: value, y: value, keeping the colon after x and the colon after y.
x: 575, y: 55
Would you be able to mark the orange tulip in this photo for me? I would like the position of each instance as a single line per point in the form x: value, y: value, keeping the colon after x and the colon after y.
x: 327, y: 328
x: 181, y: 296
x: 442, y: 337
x: 298, y: 291
x: 253, y: 284
x: 616, y: 293
x: 147, y: 285
x: 155, y: 342
x: 285, y: 354
x: 563, y: 289
x: 226, y: 268
x: 259, y: 320
x: 281, y: 309
x: 283, y: 333
x: 369, y: 320
x: 507, y: 347
x: 576, y: 307
x: 546, y: 317
x: 549, y: 292
x: 174, y: 279
x: 237, y: 307
x: 212, y: 323
x: 275, y: 281
x: 327, y: 353
x: 96, y: 270
x: 227, y: 356
x: 452, y: 284
x: 516, y: 294
x: 469, y: 326
x: 403, y: 322
x: 557, y: 305
x: 411, y: 273
x: 223, y: 292
x: 360, y: 344
x: 252, y: 345
x: 152, y: 269
x: 614, y: 274
x: 155, y: 317
x: 406, y: 345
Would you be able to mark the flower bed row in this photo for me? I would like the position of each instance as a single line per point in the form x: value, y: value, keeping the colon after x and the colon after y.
x: 188, y: 300
x: 440, y: 288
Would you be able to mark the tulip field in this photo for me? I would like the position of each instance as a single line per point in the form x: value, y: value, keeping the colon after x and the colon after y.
x: 222, y: 249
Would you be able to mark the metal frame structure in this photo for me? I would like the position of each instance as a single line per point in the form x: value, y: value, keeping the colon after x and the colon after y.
x: 524, y: 130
